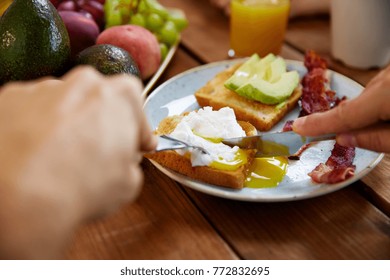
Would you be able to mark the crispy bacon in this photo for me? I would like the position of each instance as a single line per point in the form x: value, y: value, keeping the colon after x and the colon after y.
x: 288, y: 126
x: 314, y: 61
x: 338, y: 167
x: 317, y: 97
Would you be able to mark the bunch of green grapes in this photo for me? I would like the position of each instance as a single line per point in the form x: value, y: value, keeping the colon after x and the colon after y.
x: 165, y: 23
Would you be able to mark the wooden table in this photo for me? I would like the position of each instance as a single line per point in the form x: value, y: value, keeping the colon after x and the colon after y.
x: 170, y: 221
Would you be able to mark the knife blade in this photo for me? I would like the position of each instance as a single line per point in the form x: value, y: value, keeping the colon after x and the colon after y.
x: 275, y: 144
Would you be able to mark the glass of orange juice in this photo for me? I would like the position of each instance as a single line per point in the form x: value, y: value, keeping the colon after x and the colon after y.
x: 257, y: 26
x: 4, y: 5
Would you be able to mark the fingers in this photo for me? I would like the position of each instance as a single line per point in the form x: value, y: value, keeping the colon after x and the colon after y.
x: 374, y: 138
x: 382, y: 75
x: 129, y: 87
x: 121, y: 93
x: 82, y: 72
x: 132, y: 88
x: 125, y: 189
x: 372, y: 106
x: 148, y: 139
x: 79, y: 81
x: 348, y: 115
x: 135, y: 180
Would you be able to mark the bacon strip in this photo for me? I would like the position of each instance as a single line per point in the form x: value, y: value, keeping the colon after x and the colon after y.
x: 338, y: 167
x: 316, y: 93
x: 317, y: 97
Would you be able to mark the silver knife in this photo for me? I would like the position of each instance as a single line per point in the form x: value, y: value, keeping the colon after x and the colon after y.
x: 275, y: 144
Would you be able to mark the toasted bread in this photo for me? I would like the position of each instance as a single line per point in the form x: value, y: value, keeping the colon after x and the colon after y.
x: 182, y: 164
x: 262, y: 116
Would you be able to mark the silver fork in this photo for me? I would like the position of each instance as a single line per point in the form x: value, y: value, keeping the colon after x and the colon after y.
x: 166, y: 142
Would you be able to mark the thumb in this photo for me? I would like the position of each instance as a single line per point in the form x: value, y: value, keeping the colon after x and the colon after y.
x: 375, y: 138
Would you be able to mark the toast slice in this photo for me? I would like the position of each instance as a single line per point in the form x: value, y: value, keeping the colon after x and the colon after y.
x: 262, y: 116
x: 182, y: 164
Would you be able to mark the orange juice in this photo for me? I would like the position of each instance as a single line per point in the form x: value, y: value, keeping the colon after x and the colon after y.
x: 257, y: 26
x: 4, y: 5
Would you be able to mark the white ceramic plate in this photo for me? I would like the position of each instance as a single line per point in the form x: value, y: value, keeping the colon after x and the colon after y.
x: 177, y: 96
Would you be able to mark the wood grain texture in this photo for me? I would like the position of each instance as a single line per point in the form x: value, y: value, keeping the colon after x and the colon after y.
x: 161, y: 224
x: 342, y: 225
x: 377, y: 186
x: 180, y: 63
x: 207, y: 36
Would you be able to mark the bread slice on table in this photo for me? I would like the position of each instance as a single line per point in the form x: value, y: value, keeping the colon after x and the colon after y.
x: 262, y: 116
x: 182, y: 163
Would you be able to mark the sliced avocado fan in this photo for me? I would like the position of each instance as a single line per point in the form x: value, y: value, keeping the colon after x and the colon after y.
x: 265, y: 80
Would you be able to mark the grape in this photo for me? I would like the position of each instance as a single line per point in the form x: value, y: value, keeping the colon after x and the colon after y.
x: 88, y: 8
x: 168, y: 33
x: 142, y: 7
x: 154, y: 22
x: 86, y: 14
x: 113, y: 16
x: 165, y: 23
x: 178, y: 18
x: 138, y: 19
x: 114, y: 19
x: 94, y: 8
x: 67, y: 6
x: 82, y: 32
x: 124, y: 8
x: 163, y: 50
x: 157, y: 8
x: 55, y: 2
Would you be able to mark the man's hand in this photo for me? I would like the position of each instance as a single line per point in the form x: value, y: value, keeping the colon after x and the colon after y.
x: 70, y: 151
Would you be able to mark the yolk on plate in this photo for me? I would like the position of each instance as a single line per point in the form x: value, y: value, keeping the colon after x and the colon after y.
x: 266, y: 172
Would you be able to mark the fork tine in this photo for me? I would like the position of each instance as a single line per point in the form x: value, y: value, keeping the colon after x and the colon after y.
x: 166, y: 142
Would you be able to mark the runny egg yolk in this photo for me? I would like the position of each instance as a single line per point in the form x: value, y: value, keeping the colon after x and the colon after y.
x: 241, y: 158
x: 266, y: 172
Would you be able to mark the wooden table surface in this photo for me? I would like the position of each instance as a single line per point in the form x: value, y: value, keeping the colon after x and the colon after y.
x: 171, y: 221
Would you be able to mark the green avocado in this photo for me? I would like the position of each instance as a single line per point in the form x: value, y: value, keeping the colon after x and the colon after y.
x: 265, y: 80
x: 34, y: 41
x: 242, y: 73
x: 275, y: 70
x: 270, y: 93
x: 108, y: 60
x: 254, y: 67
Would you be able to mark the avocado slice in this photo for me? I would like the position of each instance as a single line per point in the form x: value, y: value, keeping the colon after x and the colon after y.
x: 254, y: 67
x: 270, y: 93
x: 34, y: 41
x: 275, y: 70
x: 242, y: 73
x: 260, y: 68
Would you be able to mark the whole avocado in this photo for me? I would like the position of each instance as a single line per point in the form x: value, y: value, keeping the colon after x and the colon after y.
x: 108, y: 60
x: 33, y: 41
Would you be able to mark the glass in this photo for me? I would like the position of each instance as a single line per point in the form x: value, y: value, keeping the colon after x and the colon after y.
x: 4, y: 5
x: 362, y: 39
x: 257, y: 26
